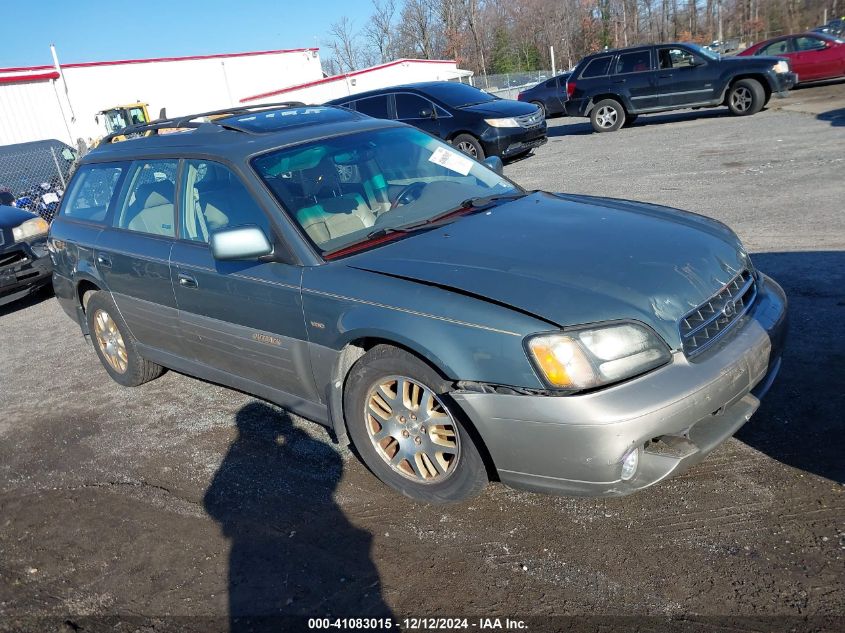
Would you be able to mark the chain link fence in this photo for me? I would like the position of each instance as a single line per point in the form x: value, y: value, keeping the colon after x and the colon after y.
x: 508, y: 85
x: 34, y: 175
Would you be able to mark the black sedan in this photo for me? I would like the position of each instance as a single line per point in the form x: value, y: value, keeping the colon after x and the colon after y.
x: 549, y: 95
x: 477, y: 123
x: 25, y: 266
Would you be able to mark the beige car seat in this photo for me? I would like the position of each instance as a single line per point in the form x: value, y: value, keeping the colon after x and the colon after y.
x: 333, y: 213
x: 152, y: 209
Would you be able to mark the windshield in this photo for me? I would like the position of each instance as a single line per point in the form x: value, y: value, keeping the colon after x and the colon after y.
x: 458, y: 95
x: 345, y: 189
x: 704, y: 52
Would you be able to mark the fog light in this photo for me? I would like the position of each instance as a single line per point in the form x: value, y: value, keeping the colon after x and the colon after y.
x: 629, y: 464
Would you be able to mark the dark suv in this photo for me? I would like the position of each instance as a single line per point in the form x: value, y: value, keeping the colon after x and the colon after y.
x: 614, y: 87
x: 477, y: 123
x: 370, y: 277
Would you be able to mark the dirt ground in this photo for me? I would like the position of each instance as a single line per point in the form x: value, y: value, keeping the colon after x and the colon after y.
x: 173, y: 505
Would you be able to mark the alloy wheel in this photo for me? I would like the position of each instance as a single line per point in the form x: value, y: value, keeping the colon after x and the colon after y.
x: 110, y: 341
x: 412, y: 430
x: 606, y: 117
x: 468, y: 148
x: 741, y: 99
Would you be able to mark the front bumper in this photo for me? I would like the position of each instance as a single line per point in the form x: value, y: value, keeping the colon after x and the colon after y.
x: 782, y: 83
x: 673, y: 416
x: 506, y: 142
x: 24, y: 268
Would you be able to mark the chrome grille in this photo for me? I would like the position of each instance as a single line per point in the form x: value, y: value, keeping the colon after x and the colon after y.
x: 530, y: 120
x: 702, y: 327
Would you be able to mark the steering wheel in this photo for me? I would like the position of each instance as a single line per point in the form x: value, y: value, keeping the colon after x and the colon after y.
x: 407, y: 196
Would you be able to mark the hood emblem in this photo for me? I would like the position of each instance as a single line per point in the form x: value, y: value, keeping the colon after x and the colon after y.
x: 729, y: 309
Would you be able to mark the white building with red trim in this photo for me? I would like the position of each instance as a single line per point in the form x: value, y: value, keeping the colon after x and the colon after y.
x: 400, y: 71
x: 62, y: 101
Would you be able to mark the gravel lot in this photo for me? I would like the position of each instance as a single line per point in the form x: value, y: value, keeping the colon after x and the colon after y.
x: 166, y: 503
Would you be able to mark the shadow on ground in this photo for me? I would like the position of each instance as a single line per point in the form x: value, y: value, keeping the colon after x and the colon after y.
x: 836, y: 117
x: 801, y: 421
x: 28, y: 301
x: 584, y: 126
x: 293, y: 552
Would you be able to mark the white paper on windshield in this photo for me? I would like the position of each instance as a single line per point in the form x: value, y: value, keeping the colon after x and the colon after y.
x: 49, y: 197
x: 451, y: 160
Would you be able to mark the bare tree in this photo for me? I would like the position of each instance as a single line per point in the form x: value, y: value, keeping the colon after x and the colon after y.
x: 379, y: 32
x: 419, y: 27
x: 344, y: 45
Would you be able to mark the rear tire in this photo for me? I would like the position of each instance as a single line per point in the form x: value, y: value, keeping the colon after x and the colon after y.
x: 629, y: 119
x: 407, y: 430
x: 746, y: 97
x: 114, y: 343
x: 607, y: 115
x: 469, y: 145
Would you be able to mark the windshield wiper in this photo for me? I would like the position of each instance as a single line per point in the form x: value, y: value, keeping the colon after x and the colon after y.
x: 470, y: 204
x: 481, y: 202
x: 388, y: 230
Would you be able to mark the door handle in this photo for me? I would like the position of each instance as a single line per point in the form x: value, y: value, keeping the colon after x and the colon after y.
x: 666, y: 76
x: 619, y: 81
x: 187, y: 281
x: 104, y: 260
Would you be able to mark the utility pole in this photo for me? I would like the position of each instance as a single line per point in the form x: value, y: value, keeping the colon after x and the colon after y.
x: 719, y: 10
x: 552, y: 57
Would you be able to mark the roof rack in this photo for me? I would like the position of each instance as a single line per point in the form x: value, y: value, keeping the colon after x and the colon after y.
x: 189, y: 121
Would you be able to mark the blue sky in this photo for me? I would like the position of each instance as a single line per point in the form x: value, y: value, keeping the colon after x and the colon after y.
x: 94, y: 30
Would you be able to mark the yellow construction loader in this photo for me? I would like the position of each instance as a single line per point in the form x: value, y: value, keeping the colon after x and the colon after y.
x: 120, y: 117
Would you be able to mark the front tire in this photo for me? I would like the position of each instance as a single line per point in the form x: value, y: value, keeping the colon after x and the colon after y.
x: 469, y: 145
x: 629, y: 119
x: 540, y: 106
x: 607, y: 115
x: 406, y: 429
x: 114, y: 343
x: 746, y: 97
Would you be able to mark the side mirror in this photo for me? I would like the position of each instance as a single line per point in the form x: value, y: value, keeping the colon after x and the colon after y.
x: 426, y: 113
x: 696, y: 62
x: 243, y: 242
x: 495, y: 163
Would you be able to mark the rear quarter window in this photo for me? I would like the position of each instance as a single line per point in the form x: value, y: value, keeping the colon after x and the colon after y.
x: 92, y: 190
x: 597, y: 67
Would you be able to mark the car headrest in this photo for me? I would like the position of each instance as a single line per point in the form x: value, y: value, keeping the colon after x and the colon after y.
x: 154, y: 194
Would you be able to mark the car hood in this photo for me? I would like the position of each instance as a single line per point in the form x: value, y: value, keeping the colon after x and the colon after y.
x: 11, y: 217
x: 570, y: 260
x: 501, y: 108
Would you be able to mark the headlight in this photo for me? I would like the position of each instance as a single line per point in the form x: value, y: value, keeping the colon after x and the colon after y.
x: 781, y: 67
x: 596, y: 356
x: 35, y: 227
x: 510, y: 122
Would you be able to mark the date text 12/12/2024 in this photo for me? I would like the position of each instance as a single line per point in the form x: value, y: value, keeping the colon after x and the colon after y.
x: 418, y: 624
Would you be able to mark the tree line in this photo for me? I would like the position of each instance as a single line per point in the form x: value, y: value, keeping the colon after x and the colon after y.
x: 500, y: 36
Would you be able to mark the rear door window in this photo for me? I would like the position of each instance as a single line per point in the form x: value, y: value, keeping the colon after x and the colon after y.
x: 597, y: 67
x: 781, y: 47
x: 633, y: 62
x: 148, y: 206
x: 92, y: 190
x: 374, y: 107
